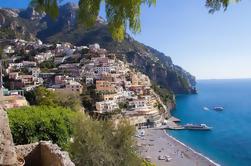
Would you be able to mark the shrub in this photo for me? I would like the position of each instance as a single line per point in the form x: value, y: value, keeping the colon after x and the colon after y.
x: 43, y: 96
x: 102, y: 143
x: 31, y: 124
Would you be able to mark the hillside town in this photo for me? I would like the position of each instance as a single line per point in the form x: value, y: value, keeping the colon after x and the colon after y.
x: 118, y: 87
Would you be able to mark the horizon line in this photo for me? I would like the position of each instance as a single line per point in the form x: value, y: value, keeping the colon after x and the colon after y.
x: 244, y: 78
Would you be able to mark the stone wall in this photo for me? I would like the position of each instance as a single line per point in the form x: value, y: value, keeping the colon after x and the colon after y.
x: 8, y: 155
x: 30, y: 153
x: 44, y: 153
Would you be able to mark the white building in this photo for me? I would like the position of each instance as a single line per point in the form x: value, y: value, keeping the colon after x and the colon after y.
x: 94, y: 47
x: 74, y: 86
x: 88, y: 80
x: 140, y: 103
x: 16, y: 65
x: 59, y: 60
x: 8, y: 50
x: 106, y: 106
x: 44, y: 56
x: 35, y: 72
x: 29, y: 64
x: 103, y: 69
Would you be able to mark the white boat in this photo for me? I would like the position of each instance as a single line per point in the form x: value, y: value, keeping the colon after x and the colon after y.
x: 161, y: 158
x: 206, y: 108
x: 218, y: 108
x: 197, y: 127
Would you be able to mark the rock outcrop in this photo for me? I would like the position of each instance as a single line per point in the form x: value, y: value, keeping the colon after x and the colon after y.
x: 43, y: 153
x: 8, y: 155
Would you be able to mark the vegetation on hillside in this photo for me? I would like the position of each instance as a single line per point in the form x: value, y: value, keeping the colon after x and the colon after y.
x: 89, y: 98
x: 102, y: 143
x: 164, y: 94
x: 42, y: 96
x: 31, y: 124
x: 54, y: 117
x: 46, y: 65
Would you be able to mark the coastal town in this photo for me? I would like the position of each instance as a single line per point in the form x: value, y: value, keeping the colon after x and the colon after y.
x: 119, y: 88
x: 112, y: 83
x: 119, y: 91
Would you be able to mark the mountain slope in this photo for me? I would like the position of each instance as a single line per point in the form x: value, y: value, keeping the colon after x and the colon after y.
x: 155, y: 64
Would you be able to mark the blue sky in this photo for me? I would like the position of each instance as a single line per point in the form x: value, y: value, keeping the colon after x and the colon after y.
x: 209, y: 46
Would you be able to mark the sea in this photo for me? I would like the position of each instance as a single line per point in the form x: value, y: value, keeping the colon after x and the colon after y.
x: 229, y: 142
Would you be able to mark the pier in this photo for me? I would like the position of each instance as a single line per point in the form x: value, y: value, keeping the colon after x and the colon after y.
x: 171, y: 124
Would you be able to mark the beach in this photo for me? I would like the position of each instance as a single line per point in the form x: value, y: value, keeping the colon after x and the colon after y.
x: 157, y: 143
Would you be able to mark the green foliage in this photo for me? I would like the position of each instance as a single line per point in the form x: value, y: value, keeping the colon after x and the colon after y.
x: 101, y: 143
x: 7, y: 33
x: 31, y: 124
x: 184, y: 82
x: 215, y: 5
x: 120, y: 14
x: 48, y: 6
x: 165, y: 95
x: 87, y: 102
x: 68, y: 100
x: 49, y: 64
x: 30, y: 97
x: 43, y: 96
x: 117, y: 111
x: 146, y: 163
x: 89, y: 98
x: 123, y: 105
x: 88, y: 11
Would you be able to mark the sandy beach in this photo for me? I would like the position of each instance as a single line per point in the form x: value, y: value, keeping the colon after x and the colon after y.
x: 157, y: 142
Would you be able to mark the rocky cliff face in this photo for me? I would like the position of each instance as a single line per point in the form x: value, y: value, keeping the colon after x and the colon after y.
x: 155, y: 64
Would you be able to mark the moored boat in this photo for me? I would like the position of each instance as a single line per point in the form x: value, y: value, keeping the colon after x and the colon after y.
x: 206, y: 108
x: 197, y: 127
x: 218, y: 108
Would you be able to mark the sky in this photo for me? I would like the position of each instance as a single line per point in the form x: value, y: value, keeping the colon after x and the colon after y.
x: 209, y: 46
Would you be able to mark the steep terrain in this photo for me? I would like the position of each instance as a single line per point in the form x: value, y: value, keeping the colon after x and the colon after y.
x: 29, y: 24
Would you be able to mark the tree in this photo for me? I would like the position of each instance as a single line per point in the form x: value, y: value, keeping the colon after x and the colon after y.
x: 68, y: 100
x: 32, y: 124
x: 120, y: 14
x: 123, y: 105
x: 43, y: 96
x: 102, y: 143
x: 215, y: 5
x: 46, y: 65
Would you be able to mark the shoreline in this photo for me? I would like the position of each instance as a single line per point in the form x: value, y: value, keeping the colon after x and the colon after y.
x: 157, y: 142
x: 194, y: 151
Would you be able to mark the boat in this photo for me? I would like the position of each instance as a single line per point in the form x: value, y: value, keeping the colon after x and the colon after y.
x: 206, y: 108
x: 218, y: 108
x: 197, y: 127
x: 161, y: 158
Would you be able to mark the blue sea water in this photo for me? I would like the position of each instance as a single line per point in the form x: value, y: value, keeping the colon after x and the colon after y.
x: 229, y: 142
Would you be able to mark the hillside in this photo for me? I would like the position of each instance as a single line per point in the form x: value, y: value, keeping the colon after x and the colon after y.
x: 29, y: 24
